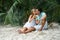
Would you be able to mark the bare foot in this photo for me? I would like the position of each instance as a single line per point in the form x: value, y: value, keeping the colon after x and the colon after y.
x: 19, y: 31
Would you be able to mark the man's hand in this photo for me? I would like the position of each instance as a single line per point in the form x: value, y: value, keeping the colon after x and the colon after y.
x: 37, y: 21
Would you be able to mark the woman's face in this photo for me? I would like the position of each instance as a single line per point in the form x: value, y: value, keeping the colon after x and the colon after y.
x: 34, y: 11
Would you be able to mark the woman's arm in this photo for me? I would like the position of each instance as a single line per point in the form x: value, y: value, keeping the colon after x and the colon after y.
x: 31, y: 17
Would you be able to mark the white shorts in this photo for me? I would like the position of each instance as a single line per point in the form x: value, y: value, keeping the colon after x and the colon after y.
x: 37, y: 27
x: 29, y: 24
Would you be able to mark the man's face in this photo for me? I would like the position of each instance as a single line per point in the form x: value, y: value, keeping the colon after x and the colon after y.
x: 37, y: 12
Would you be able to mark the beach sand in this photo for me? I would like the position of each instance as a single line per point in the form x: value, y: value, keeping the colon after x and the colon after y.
x: 7, y: 32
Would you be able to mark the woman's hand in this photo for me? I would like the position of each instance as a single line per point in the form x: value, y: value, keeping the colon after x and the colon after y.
x: 34, y: 17
x: 31, y: 18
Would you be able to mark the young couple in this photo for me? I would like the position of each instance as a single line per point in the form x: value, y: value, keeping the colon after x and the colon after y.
x: 36, y: 21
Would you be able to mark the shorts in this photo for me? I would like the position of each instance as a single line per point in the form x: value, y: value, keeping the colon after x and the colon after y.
x: 37, y: 27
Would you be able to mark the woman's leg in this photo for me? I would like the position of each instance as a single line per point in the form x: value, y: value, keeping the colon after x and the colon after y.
x: 29, y: 30
x: 22, y: 30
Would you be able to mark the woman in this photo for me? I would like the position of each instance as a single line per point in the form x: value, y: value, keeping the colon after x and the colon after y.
x: 28, y: 27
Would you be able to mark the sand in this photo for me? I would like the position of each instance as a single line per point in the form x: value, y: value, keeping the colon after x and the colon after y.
x: 7, y: 32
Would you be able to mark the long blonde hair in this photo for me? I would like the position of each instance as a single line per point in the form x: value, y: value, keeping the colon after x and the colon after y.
x: 32, y: 11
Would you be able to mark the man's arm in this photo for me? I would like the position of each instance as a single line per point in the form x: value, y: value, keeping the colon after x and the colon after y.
x: 43, y: 22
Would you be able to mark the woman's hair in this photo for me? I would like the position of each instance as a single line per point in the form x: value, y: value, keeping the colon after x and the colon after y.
x: 32, y: 11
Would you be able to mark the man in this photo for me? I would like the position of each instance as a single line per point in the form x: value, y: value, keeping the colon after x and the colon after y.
x: 42, y: 22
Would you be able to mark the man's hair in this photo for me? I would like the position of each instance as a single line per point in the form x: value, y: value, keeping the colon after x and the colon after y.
x: 40, y: 9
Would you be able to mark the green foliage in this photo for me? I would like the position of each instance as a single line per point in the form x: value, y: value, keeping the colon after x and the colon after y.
x: 56, y: 14
x: 2, y: 16
x: 10, y: 14
x: 19, y: 10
